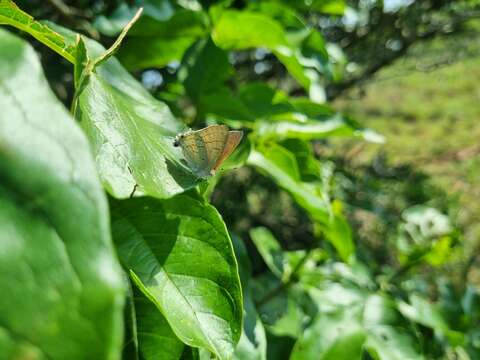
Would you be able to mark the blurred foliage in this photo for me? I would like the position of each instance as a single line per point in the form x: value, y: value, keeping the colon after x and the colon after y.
x: 289, y: 252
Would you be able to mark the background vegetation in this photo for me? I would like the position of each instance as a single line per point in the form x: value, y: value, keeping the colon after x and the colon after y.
x: 344, y: 226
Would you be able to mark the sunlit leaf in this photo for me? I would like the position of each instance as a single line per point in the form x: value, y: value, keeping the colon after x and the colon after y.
x: 247, y: 29
x: 10, y: 14
x: 131, y: 133
x: 170, y: 247
x: 282, y: 166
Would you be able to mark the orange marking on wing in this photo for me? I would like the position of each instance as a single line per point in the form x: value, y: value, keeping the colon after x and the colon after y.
x: 233, y: 139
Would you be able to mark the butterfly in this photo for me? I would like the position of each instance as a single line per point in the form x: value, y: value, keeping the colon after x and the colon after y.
x: 207, y: 148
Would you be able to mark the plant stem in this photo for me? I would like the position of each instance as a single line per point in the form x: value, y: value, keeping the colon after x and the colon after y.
x: 286, y: 284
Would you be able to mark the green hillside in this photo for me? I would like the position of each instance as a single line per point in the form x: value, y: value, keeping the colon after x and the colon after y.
x: 428, y: 108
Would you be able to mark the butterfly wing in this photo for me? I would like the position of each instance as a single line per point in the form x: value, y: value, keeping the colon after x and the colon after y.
x: 202, y: 148
x: 214, y: 137
x: 233, y: 139
x: 193, y: 149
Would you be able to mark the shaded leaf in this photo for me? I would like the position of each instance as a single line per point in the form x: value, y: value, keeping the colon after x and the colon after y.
x: 156, y: 339
x: 57, y: 265
x: 130, y: 342
x: 269, y: 249
x: 270, y: 113
x: 155, y: 43
x: 208, y: 71
x: 253, y: 342
x: 169, y: 247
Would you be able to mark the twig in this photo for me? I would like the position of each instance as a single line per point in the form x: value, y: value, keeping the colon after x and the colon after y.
x: 113, y: 49
x: 286, y: 284
x: 68, y: 11
x: 336, y: 90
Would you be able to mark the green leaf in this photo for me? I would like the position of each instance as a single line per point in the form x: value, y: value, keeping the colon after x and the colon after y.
x: 243, y: 30
x: 131, y: 133
x: 253, y: 342
x: 62, y: 285
x: 423, y: 312
x: 10, y: 14
x: 269, y: 249
x: 208, y: 71
x: 285, y: 15
x: 180, y: 255
x: 389, y: 343
x: 335, y: 7
x: 156, y: 338
x: 246, y: 29
x: 339, y: 233
x: 337, y: 331
x: 304, y: 129
x: 298, y: 312
x: 333, y: 336
x: 113, y: 24
x: 154, y: 43
x: 271, y: 113
x: 281, y: 165
x: 279, y: 347
x: 146, y: 52
x: 387, y: 340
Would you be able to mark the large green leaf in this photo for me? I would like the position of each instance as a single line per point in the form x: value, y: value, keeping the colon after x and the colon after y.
x: 61, y: 283
x: 351, y: 318
x: 180, y: 255
x: 131, y: 133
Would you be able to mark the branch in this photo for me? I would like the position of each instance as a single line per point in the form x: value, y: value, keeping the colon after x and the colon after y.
x: 336, y: 90
x: 68, y: 11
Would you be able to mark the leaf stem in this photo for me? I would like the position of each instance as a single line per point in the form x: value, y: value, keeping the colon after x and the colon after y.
x: 113, y: 49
